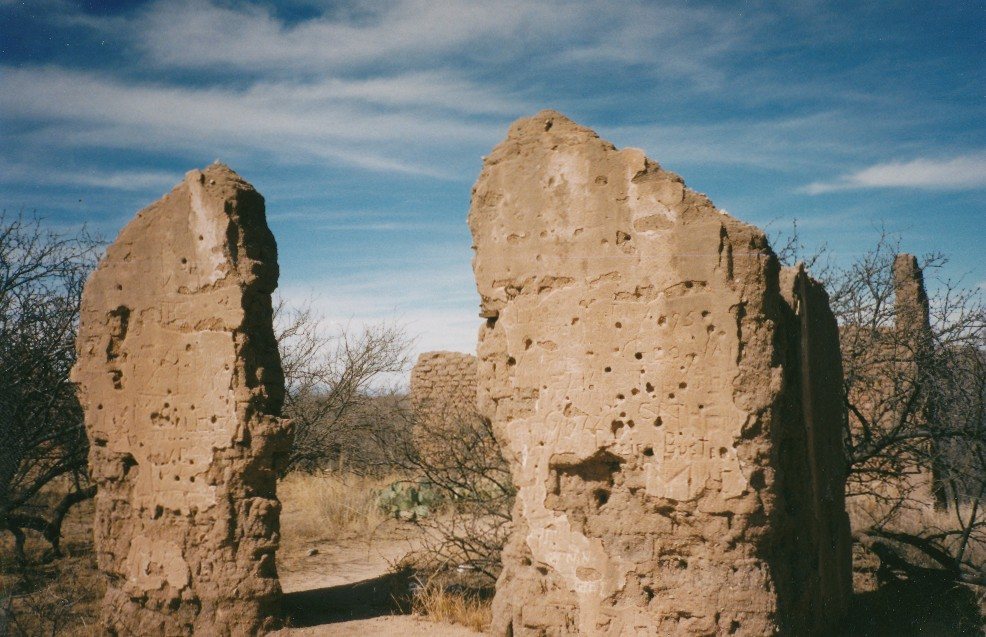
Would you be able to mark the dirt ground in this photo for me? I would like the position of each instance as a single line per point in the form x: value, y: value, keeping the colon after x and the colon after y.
x: 346, y: 586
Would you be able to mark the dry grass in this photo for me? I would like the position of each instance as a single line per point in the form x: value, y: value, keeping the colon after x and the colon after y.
x: 437, y: 603
x: 60, y: 597
x: 329, y: 505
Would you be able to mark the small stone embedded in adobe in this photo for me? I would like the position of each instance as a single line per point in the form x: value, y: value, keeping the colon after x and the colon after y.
x: 653, y: 392
x: 181, y: 383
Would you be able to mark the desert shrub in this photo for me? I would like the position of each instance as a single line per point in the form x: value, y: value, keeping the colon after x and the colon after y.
x: 42, y: 434
x: 337, y: 389
x: 436, y: 600
x: 915, y: 392
x: 460, y: 461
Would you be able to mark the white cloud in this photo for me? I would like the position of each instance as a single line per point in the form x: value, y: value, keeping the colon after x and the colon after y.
x: 433, y: 298
x: 958, y: 173
x: 337, y: 121
x: 126, y: 180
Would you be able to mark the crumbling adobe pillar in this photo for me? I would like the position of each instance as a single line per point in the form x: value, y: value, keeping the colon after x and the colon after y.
x: 912, y: 320
x: 181, y: 383
x: 661, y: 403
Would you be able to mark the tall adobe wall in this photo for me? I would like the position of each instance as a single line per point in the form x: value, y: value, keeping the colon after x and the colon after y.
x: 181, y: 383
x: 676, y: 472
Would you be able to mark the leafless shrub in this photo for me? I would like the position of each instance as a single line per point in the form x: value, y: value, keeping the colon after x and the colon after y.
x: 336, y: 386
x: 459, y: 458
x: 915, y: 388
x: 42, y: 435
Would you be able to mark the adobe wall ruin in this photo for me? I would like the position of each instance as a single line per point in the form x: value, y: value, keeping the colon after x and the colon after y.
x: 674, y: 440
x: 443, y: 387
x: 181, y: 383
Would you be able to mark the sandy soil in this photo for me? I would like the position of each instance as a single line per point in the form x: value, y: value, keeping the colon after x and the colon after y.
x: 345, y: 588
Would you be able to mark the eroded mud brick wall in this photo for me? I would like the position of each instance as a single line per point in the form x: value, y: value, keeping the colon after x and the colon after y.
x: 443, y: 388
x: 443, y: 395
x: 645, y: 376
x: 181, y: 384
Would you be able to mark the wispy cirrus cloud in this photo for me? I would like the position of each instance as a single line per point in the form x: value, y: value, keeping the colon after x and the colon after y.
x: 331, y: 120
x: 964, y: 172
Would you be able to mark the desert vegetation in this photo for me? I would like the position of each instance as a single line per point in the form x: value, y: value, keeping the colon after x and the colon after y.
x: 915, y: 387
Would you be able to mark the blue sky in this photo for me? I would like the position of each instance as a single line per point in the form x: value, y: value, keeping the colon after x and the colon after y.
x: 364, y: 123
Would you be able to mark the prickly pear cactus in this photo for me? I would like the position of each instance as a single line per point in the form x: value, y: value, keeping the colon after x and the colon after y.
x: 408, y: 500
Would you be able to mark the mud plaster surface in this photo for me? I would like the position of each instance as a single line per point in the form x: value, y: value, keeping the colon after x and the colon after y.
x: 633, y: 367
x: 181, y: 383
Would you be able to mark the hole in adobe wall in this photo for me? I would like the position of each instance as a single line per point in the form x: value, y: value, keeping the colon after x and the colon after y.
x: 710, y: 329
x: 689, y: 284
x: 648, y: 451
x: 757, y: 479
x: 527, y: 343
x: 682, y: 385
x: 671, y: 395
x: 602, y: 496
x: 682, y: 564
x: 722, y: 452
x: 119, y: 286
x: 649, y: 593
x: 607, y: 369
x: 619, y: 325
x: 511, y: 361
x: 575, y: 320
x: 616, y: 426
x: 658, y: 421
x: 620, y: 396
x: 184, y: 260
x: 734, y: 627
x: 649, y: 387
x: 630, y: 423
x: 201, y: 237
x: 634, y: 391
x: 662, y: 320
x: 638, y: 355
x: 705, y: 313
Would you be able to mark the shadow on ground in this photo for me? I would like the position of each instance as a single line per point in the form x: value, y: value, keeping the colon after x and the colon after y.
x: 917, y: 606
x: 384, y: 595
